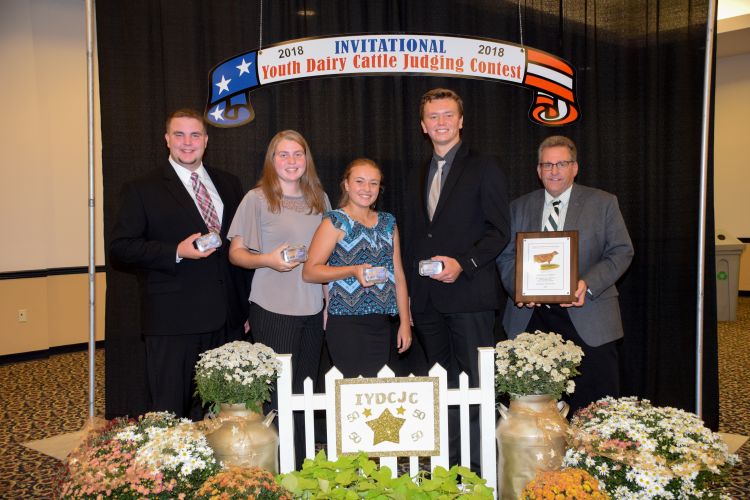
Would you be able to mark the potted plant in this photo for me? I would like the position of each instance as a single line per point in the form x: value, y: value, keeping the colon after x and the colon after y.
x: 561, y: 484
x: 236, y: 379
x: 156, y: 456
x: 239, y: 483
x: 534, y: 369
x: 637, y: 450
x: 236, y: 373
x: 536, y: 363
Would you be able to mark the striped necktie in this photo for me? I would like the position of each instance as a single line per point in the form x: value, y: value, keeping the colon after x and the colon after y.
x: 206, y: 205
x: 434, y: 195
x: 553, y: 221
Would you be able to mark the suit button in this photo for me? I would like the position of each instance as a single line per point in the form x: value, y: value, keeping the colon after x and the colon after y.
x: 429, y: 235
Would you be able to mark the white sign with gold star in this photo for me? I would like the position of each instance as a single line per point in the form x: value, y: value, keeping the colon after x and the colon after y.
x: 388, y: 416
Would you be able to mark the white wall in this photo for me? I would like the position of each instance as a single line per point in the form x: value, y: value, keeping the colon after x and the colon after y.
x: 43, y: 137
x: 44, y: 175
x: 731, y: 153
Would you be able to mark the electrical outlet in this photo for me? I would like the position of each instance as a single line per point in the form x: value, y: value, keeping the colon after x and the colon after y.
x: 23, y: 315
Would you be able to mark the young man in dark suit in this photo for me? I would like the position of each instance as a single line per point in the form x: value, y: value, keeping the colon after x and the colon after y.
x: 604, y: 254
x: 457, y: 216
x: 191, y: 300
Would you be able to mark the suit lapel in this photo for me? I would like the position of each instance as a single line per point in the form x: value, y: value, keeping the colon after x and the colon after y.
x: 223, y: 189
x: 176, y: 188
x: 423, y: 170
x: 536, y: 211
x: 575, y: 208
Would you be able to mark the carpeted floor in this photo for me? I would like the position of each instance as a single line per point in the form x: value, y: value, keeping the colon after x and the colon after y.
x: 41, y: 399
x: 734, y: 391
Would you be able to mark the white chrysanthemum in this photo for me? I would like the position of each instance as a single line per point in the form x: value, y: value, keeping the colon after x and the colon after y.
x: 667, y: 449
x: 176, y: 449
x: 536, y: 363
x: 129, y: 433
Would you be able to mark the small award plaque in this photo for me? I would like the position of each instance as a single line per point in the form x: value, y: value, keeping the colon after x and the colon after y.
x: 207, y: 241
x: 546, y: 267
x: 376, y: 274
x: 294, y: 253
x: 430, y: 267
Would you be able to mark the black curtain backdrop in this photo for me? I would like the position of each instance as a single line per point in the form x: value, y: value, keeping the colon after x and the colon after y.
x: 640, y: 74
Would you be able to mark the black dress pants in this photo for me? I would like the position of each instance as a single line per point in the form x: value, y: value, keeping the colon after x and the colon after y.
x: 302, y: 337
x: 170, y: 366
x: 600, y: 370
x: 452, y: 339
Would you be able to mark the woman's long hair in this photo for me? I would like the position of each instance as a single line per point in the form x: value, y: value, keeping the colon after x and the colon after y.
x: 310, y: 184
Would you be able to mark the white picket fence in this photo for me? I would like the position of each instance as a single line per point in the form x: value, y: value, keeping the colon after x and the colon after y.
x: 463, y: 397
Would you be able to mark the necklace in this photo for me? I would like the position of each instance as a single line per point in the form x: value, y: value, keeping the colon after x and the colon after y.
x: 366, y: 220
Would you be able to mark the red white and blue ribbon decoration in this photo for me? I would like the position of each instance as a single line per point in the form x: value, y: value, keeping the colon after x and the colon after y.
x: 551, y: 79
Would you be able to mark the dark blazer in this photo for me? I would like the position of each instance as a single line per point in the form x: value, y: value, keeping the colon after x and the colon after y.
x: 471, y: 224
x: 193, y: 296
x: 604, y: 254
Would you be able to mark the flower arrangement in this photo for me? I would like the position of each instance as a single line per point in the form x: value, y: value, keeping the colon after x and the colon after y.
x: 237, y: 372
x: 238, y: 483
x: 356, y: 476
x: 156, y: 456
x: 536, y: 363
x: 561, y: 484
x: 637, y: 450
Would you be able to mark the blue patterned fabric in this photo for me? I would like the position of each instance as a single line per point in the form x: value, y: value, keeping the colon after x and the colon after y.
x: 362, y: 245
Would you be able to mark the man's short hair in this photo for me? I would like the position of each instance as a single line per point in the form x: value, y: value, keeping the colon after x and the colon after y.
x: 186, y: 113
x: 434, y: 94
x: 558, y: 140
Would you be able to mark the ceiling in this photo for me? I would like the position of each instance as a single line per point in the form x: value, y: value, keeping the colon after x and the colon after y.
x: 733, y: 31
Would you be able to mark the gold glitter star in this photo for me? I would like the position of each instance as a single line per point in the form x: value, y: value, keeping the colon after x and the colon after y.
x: 386, y: 427
x: 400, y: 410
x: 367, y: 412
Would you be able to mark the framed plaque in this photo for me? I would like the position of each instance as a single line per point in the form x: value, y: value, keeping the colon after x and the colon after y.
x: 546, y: 267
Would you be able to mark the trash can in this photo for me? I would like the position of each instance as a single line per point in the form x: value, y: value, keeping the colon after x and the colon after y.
x: 728, y: 251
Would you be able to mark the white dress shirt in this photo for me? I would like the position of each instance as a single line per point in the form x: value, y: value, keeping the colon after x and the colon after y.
x: 564, y: 200
x: 184, y: 175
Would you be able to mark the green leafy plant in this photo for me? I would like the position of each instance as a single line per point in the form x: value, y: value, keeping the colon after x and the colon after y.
x: 354, y: 477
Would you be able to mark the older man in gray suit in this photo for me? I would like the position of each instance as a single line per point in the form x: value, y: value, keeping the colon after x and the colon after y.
x: 604, y: 253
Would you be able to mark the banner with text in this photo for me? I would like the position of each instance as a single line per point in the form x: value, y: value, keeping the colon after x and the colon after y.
x: 550, y: 78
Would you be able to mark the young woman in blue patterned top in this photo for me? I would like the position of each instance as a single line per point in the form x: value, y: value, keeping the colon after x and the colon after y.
x: 361, y: 313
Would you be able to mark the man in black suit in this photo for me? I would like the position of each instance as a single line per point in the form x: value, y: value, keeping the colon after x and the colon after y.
x: 458, y: 216
x: 191, y: 300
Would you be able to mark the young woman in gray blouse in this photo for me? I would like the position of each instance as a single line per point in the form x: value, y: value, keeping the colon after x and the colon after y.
x: 283, y: 210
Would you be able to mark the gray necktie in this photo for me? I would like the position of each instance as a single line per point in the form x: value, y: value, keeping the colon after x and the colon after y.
x: 553, y: 221
x: 434, y: 196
